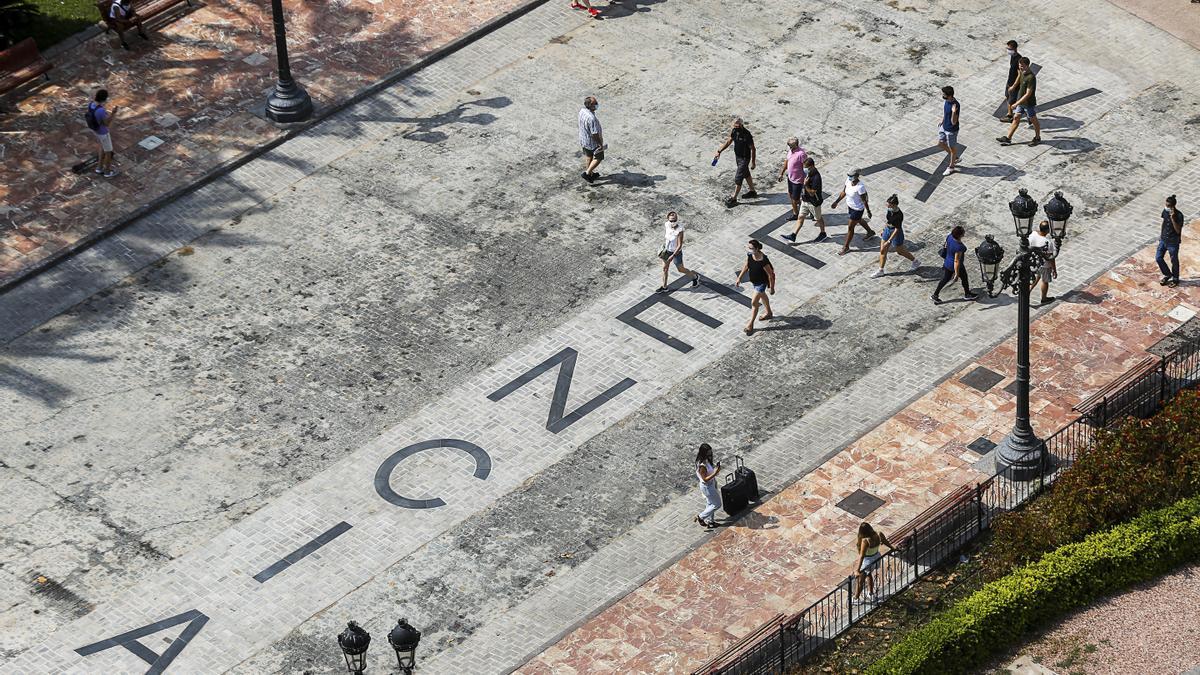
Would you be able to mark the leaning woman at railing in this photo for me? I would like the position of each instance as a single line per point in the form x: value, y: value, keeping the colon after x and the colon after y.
x: 868, y: 544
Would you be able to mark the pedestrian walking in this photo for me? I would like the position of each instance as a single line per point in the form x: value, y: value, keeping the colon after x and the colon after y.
x: 948, y: 131
x: 591, y: 138
x: 855, y: 194
x: 585, y: 5
x: 98, y: 118
x: 706, y: 471
x: 793, y: 170
x: 744, y: 155
x: 672, y: 251
x: 1169, y: 239
x: 954, y: 265
x: 810, y: 202
x: 1049, y: 269
x: 1025, y: 105
x: 762, y: 277
x: 893, y: 238
x: 867, y: 543
x: 1011, y: 84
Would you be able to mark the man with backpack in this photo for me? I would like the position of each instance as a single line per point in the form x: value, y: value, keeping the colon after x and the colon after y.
x: 98, y: 118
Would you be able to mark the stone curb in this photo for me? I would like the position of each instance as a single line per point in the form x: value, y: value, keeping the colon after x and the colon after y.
x: 290, y: 132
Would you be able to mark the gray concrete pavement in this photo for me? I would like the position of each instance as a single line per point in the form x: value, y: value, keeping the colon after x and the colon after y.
x: 426, y: 236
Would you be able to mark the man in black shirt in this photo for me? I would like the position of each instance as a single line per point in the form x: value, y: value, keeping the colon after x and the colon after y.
x: 1010, y: 85
x: 762, y: 278
x: 810, y: 201
x: 744, y: 154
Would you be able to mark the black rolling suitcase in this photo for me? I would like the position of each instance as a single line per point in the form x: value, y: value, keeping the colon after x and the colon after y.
x: 740, y: 488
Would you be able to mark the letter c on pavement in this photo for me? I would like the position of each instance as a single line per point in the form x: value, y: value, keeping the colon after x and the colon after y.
x: 383, y: 476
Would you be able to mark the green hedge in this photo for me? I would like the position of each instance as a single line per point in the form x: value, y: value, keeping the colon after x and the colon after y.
x: 997, y: 615
x: 1134, y: 467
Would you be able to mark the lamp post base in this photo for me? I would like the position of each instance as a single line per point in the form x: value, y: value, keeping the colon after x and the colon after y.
x: 288, y: 103
x: 1021, y: 458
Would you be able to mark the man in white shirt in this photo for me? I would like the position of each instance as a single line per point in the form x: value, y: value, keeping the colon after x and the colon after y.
x: 1049, y: 270
x: 591, y: 138
x: 855, y: 194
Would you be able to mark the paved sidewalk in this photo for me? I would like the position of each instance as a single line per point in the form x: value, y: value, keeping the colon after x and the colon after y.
x: 191, y: 99
x: 797, y: 546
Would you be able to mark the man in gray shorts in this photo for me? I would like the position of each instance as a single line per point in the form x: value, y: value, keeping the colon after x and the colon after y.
x: 1049, y: 269
x: 1026, y: 105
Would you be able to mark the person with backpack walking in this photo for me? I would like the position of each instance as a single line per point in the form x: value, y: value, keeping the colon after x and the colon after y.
x: 706, y: 472
x: 98, y: 118
x: 893, y: 238
x: 954, y: 265
x: 868, y: 542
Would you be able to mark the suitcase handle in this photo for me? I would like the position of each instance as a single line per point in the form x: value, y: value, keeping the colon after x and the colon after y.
x: 737, y: 464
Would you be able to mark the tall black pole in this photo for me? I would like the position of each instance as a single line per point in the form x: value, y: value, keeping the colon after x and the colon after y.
x: 1022, y: 454
x: 288, y: 102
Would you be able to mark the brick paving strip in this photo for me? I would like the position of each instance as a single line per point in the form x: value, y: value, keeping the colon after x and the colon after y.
x: 800, y: 544
x: 198, y: 86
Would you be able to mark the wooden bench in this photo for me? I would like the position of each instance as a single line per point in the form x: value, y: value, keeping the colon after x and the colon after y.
x: 749, y: 641
x: 907, y: 538
x: 143, y: 11
x: 1118, y: 392
x: 21, y: 63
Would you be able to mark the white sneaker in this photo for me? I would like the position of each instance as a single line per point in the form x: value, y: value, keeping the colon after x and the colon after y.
x: 949, y: 170
x: 916, y: 265
x: 110, y: 173
x: 877, y: 273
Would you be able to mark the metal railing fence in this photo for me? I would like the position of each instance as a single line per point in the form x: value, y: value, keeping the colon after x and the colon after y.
x: 786, y: 641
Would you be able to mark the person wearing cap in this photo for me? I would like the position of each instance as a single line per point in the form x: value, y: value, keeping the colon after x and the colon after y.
x: 892, y: 238
x: 793, y: 170
x: 855, y: 194
x: 744, y: 155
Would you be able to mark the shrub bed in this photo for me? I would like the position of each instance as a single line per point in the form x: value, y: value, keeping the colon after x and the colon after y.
x: 1133, y: 467
x: 1069, y: 577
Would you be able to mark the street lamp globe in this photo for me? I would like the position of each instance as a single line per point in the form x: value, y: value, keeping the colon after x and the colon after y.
x: 989, y: 254
x: 1023, y: 209
x: 404, y: 639
x: 1058, y: 210
x: 354, y: 642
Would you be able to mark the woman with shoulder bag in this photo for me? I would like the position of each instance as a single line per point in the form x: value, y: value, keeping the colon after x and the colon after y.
x: 672, y: 251
x: 954, y: 265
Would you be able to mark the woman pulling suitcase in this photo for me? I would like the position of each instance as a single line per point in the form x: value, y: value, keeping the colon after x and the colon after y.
x: 706, y: 471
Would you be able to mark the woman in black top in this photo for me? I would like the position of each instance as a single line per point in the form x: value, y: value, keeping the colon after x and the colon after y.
x: 1169, y: 239
x: 762, y: 278
x: 893, y: 237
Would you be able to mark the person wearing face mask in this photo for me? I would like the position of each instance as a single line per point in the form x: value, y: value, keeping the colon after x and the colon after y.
x: 1010, y: 86
x: 855, y: 194
x: 893, y: 238
x: 591, y: 138
x: 672, y: 251
x: 762, y: 277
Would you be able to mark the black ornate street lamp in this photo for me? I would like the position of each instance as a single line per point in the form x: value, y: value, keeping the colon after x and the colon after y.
x: 1058, y: 210
x: 404, y: 639
x: 354, y: 642
x: 1021, y: 455
x: 288, y: 102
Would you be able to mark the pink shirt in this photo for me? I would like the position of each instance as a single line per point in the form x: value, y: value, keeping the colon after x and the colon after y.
x: 795, y: 165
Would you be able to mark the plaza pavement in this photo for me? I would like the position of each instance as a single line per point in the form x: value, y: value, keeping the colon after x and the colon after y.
x: 237, y: 399
x: 191, y: 101
x: 800, y: 544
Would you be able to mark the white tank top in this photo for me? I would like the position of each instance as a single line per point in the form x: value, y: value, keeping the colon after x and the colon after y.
x: 708, y: 468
